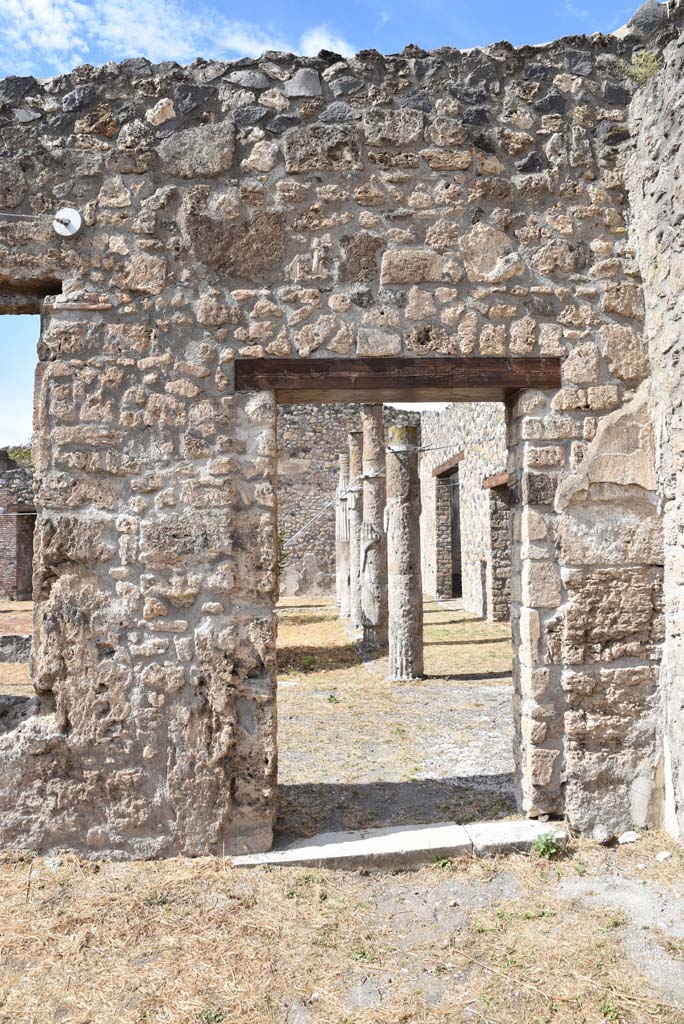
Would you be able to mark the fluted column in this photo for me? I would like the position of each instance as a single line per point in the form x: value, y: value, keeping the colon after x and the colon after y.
x: 355, y: 515
x: 405, y: 585
x: 373, y: 537
x: 342, y: 537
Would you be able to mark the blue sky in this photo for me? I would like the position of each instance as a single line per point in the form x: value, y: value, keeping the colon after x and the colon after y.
x: 47, y: 37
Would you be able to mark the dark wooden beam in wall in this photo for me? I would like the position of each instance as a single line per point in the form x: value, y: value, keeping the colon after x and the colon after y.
x: 449, y: 467
x: 500, y: 480
x: 396, y: 378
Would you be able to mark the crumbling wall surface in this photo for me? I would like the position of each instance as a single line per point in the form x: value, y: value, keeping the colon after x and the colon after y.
x: 656, y: 183
x: 310, y: 437
x: 479, y: 430
x: 16, y: 496
x: 446, y: 203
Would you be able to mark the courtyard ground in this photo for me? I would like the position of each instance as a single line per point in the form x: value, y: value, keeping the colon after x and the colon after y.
x: 355, y: 750
x: 589, y: 936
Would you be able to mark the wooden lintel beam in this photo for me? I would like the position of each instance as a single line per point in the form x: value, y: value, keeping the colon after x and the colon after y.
x: 449, y: 467
x: 396, y: 378
x: 500, y: 480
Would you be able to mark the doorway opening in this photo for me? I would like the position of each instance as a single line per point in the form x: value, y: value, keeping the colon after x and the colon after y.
x: 356, y: 751
x: 18, y: 341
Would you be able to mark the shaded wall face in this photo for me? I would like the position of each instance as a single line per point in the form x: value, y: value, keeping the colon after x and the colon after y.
x: 467, y: 204
x: 310, y: 437
x: 16, y: 533
x: 656, y: 173
x: 479, y: 430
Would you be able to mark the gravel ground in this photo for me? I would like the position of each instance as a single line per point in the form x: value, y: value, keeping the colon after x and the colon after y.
x: 355, y: 750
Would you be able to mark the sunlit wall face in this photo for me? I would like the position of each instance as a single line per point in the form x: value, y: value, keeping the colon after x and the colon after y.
x: 18, y: 340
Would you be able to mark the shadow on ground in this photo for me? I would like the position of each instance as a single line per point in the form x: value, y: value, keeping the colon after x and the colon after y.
x: 305, y: 659
x: 307, y: 808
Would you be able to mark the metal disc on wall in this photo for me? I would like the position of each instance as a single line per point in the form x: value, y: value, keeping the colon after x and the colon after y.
x: 68, y: 222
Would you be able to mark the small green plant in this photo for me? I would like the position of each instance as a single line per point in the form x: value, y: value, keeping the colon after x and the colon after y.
x: 363, y: 954
x: 309, y: 661
x: 21, y: 454
x: 160, y: 900
x: 332, y: 699
x: 211, y: 1017
x: 617, y: 920
x: 546, y: 845
x: 441, y: 862
x: 400, y: 731
x: 645, y: 65
x: 609, y: 1010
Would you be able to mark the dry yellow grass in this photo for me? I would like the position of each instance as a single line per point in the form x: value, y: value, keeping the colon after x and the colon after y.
x: 197, y: 942
x: 16, y: 617
x: 15, y: 680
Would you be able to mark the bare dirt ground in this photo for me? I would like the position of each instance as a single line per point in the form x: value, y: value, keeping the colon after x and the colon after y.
x: 357, y: 751
x: 16, y: 617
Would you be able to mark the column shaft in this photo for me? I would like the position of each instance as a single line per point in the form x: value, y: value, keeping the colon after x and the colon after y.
x: 355, y: 515
x: 405, y: 585
x: 342, y: 537
x: 373, y: 537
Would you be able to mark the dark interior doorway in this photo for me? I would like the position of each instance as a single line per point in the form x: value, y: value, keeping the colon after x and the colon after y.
x: 456, y: 573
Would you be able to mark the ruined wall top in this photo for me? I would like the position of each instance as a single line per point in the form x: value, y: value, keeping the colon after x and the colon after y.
x: 212, y: 164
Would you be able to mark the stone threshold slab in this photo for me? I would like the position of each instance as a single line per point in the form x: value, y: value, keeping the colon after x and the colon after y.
x: 405, y: 845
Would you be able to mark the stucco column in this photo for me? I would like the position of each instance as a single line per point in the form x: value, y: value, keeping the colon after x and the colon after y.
x: 342, y: 537
x: 373, y: 537
x: 404, y: 578
x: 355, y: 514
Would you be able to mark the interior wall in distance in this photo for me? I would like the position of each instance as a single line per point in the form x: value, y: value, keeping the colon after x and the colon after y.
x: 310, y: 438
x: 479, y: 430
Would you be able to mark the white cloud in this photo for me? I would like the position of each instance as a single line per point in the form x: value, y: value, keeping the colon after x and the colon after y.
x: 321, y: 38
x: 60, y: 33
x: 571, y: 10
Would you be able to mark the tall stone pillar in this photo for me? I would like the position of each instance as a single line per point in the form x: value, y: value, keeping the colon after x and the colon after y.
x: 373, y: 537
x: 342, y: 537
x: 355, y: 515
x: 405, y: 585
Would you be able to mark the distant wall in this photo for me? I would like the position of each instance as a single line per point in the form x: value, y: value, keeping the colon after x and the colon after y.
x: 310, y: 438
x: 479, y: 430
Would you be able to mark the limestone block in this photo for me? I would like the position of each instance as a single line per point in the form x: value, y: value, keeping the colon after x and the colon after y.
x: 245, y: 250
x: 304, y: 82
x: 541, y: 587
x: 320, y: 147
x: 145, y: 274
x: 582, y: 364
x: 610, y: 533
x: 202, y: 152
x: 622, y: 453
x: 610, y: 613
x: 409, y: 266
x: 161, y: 112
x: 360, y: 263
x: 488, y: 255
x: 399, y: 127
x: 447, y: 160
x: 624, y: 353
x: 377, y: 343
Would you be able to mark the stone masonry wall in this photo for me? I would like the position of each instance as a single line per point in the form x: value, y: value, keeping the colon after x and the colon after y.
x: 656, y: 179
x: 309, y: 440
x: 470, y: 204
x: 478, y: 429
x: 16, y: 534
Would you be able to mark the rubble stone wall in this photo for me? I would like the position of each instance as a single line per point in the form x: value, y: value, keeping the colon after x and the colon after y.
x: 656, y: 180
x: 310, y: 438
x: 16, y: 531
x: 465, y: 203
x: 478, y: 430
